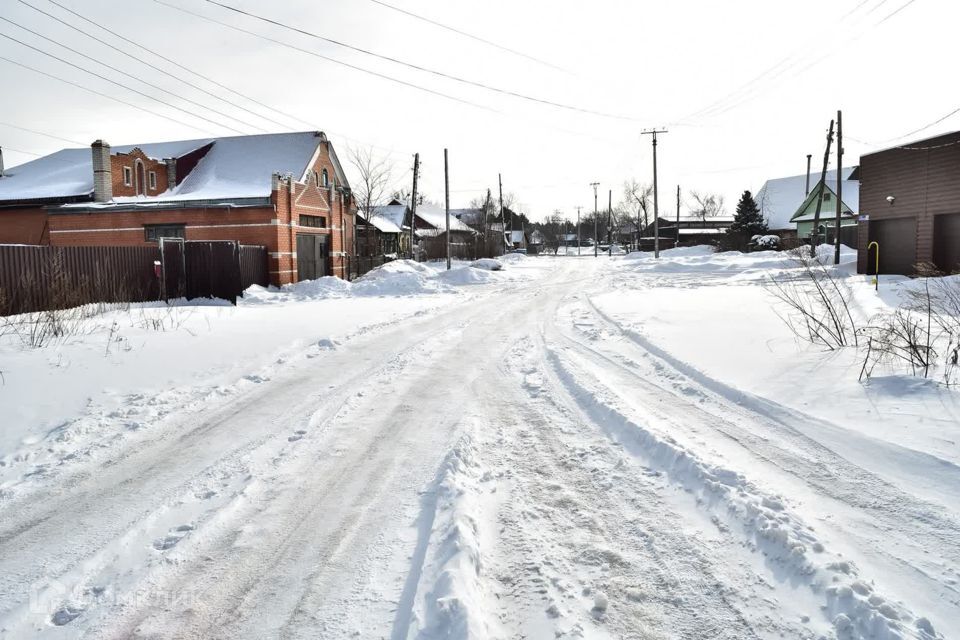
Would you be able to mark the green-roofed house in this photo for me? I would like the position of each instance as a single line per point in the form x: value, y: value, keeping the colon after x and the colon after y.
x: 805, y: 213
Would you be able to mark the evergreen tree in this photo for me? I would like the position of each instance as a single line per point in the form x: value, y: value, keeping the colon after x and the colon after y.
x: 748, y: 221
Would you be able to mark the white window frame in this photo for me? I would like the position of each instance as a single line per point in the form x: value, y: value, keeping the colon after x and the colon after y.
x: 152, y: 180
x: 128, y: 176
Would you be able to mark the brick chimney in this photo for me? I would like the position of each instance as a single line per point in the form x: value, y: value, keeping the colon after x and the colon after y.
x: 171, y: 172
x: 102, y: 172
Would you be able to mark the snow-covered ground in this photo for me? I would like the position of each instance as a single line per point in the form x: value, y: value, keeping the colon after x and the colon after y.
x: 568, y: 447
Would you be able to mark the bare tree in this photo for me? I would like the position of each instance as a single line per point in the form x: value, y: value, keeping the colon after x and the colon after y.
x: 638, y: 199
x: 372, y: 186
x: 707, y: 205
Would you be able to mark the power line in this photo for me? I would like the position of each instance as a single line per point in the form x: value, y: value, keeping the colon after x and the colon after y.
x: 100, y: 93
x: 469, y: 35
x: 29, y: 153
x: 197, y: 74
x: 41, y: 133
x: 329, y: 59
x: 149, y: 64
x: 749, y: 90
x: 421, y: 68
x: 122, y: 72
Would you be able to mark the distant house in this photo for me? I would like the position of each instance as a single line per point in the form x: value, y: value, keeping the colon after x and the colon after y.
x: 779, y: 199
x: 515, y: 240
x: 430, y: 230
x: 535, y: 242
x: 805, y: 214
x: 386, y: 231
x: 285, y: 191
x: 910, y: 206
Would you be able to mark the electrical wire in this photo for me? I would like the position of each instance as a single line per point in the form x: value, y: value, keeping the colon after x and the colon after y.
x: 469, y: 35
x: 29, y: 153
x: 329, y: 59
x: 149, y: 84
x: 168, y: 60
x: 284, y: 114
x: 750, y: 89
x: 101, y: 94
x: 421, y: 68
x: 41, y: 133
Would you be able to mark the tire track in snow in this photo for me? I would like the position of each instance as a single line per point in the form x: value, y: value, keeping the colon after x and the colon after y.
x: 684, y: 410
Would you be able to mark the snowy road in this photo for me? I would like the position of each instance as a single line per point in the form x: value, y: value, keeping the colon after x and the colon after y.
x: 516, y: 466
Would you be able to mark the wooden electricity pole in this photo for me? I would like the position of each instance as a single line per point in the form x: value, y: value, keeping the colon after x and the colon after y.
x: 596, y: 236
x: 578, y: 230
x: 836, y: 224
x: 609, y: 216
x: 656, y: 206
x: 503, y: 226
x: 446, y: 187
x: 676, y: 243
x: 413, y: 206
x: 823, y: 181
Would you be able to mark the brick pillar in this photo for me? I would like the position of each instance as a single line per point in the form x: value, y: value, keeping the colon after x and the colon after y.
x: 171, y: 172
x: 102, y: 172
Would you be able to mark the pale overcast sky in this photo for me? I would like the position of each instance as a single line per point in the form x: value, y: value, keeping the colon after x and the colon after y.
x: 745, y: 87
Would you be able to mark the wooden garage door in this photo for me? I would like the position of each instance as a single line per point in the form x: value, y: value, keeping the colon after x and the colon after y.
x: 946, y: 242
x: 311, y: 256
x: 898, y: 244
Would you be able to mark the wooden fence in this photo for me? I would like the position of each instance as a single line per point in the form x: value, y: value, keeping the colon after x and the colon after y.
x: 38, y: 278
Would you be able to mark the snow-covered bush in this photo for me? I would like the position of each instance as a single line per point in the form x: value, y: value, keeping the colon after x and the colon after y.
x: 765, y: 243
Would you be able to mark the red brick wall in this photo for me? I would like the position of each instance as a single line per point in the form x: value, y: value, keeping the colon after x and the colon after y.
x: 120, y: 160
x: 274, y: 226
x: 24, y: 226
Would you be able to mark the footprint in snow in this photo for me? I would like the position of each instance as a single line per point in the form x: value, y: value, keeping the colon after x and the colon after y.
x: 172, y: 539
x: 65, y: 614
x: 297, y: 435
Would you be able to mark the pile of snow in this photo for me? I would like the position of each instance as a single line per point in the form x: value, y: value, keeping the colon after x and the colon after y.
x: 399, y: 278
x: 616, y: 250
x: 451, y: 599
x: 488, y: 264
x: 512, y: 258
x: 320, y: 289
x: 705, y: 259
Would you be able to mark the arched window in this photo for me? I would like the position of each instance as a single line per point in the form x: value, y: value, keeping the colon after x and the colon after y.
x: 325, y: 179
x: 141, y: 178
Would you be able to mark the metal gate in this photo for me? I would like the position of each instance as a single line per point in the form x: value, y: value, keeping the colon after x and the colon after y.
x: 209, y: 269
x: 312, y: 256
x: 897, y: 238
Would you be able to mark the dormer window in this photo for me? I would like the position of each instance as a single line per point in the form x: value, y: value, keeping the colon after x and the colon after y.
x: 324, y: 179
x: 128, y: 177
x: 152, y: 180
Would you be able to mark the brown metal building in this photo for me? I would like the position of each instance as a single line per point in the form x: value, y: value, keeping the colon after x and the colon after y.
x: 910, y: 206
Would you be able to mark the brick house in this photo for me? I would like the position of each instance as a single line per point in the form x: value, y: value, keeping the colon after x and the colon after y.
x: 910, y: 206
x: 285, y: 191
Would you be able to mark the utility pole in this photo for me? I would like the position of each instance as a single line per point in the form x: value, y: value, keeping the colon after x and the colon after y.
x: 836, y: 224
x: 578, y: 230
x: 823, y: 180
x: 676, y: 243
x: 609, y: 216
x: 446, y: 186
x: 413, y: 207
x: 503, y: 226
x: 596, y: 236
x: 656, y: 208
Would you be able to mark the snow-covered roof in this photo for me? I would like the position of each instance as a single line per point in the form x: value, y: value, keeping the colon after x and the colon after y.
x: 393, y: 214
x: 437, y: 218
x: 780, y: 198
x: 516, y: 236
x: 234, y: 167
x: 381, y: 223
